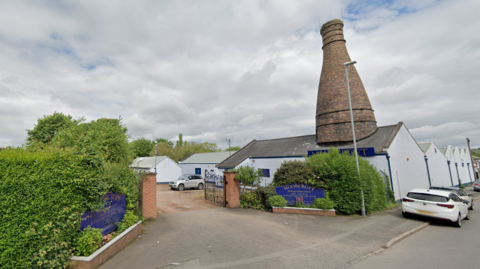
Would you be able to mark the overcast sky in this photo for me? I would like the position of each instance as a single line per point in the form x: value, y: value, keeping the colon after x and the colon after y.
x: 236, y: 69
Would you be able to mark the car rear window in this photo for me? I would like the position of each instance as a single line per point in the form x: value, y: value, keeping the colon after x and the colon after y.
x: 427, y: 197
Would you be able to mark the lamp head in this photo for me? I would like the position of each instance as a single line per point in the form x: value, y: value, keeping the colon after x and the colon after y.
x: 350, y: 63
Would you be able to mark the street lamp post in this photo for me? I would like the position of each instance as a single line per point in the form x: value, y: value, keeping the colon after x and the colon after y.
x: 229, y: 153
x: 353, y: 132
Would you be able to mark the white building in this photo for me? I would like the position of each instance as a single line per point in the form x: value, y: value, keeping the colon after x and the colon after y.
x: 461, y: 169
x: 395, y: 153
x: 199, y: 162
x: 437, y: 165
x: 166, y: 169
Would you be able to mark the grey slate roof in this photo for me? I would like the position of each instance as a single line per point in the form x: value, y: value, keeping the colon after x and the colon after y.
x: 147, y: 162
x: 210, y: 157
x: 300, y: 145
x: 425, y: 146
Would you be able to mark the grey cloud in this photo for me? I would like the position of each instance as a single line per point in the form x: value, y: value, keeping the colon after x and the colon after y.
x: 204, y: 68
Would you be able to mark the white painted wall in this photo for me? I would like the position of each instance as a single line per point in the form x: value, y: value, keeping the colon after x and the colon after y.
x: 457, y: 165
x: 408, y: 164
x: 466, y: 166
x: 452, y: 171
x: 189, y: 168
x: 167, y: 170
x: 438, y: 167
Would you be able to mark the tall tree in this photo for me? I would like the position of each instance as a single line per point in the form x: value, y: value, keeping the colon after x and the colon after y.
x: 163, y: 140
x: 104, y: 138
x: 49, y: 126
x: 142, y: 147
x: 180, y: 141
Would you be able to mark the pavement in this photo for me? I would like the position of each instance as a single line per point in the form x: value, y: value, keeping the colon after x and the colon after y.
x: 241, y: 238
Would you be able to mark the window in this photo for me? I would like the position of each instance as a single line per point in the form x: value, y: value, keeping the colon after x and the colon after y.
x: 427, y: 197
x: 455, y: 198
x: 198, y: 171
x: 266, y: 172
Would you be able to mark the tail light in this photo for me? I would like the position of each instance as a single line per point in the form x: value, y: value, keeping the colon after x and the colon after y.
x: 407, y: 200
x: 446, y: 205
x: 476, y: 184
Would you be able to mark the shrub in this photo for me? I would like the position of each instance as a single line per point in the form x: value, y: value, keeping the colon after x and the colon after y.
x: 43, y: 195
x: 291, y: 172
x: 277, y: 201
x: 248, y: 175
x: 265, y: 193
x: 323, y: 203
x: 128, y: 220
x: 338, y: 173
x: 251, y: 199
x: 89, y: 241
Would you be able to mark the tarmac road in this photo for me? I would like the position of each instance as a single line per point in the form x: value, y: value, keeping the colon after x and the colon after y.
x: 437, y: 246
x: 240, y: 238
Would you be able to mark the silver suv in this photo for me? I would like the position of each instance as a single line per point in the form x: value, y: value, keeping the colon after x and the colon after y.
x: 187, y: 182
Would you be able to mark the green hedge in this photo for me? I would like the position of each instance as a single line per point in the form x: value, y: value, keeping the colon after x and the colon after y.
x: 338, y: 172
x: 42, y: 196
x: 291, y: 172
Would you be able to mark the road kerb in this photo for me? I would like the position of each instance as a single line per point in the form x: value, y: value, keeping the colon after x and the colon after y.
x: 404, y: 235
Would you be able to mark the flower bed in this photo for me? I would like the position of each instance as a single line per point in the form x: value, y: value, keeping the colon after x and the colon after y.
x: 108, y: 250
x: 304, y: 211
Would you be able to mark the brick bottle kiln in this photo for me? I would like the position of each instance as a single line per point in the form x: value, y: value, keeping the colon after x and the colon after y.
x: 333, y: 126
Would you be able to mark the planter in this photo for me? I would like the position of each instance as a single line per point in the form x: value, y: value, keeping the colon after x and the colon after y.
x: 304, y: 211
x: 106, y: 251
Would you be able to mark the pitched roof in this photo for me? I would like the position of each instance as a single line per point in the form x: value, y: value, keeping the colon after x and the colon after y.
x: 210, y: 157
x: 425, y: 146
x: 147, y: 162
x: 300, y: 145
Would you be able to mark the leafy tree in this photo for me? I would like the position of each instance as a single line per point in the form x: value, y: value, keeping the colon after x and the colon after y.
x: 180, y: 140
x: 105, y: 139
x: 248, y: 175
x: 188, y: 148
x: 163, y: 140
x: 142, y: 147
x: 233, y: 149
x: 49, y: 126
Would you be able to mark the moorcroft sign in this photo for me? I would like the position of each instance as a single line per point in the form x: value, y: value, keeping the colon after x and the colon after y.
x: 108, y: 218
x: 300, y: 193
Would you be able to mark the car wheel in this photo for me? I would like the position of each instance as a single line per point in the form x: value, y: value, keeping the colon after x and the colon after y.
x: 458, y: 223
x: 405, y: 214
x: 467, y: 217
x: 180, y: 187
x: 200, y: 186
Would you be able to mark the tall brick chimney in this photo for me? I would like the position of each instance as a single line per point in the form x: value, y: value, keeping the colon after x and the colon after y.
x: 333, y: 125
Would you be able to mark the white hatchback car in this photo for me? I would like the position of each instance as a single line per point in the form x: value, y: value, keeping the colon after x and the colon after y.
x: 435, y: 204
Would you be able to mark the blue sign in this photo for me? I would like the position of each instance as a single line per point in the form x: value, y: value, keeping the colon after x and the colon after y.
x: 107, y: 219
x: 360, y: 151
x: 300, y: 193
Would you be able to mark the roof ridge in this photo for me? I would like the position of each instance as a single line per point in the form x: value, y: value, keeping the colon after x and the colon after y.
x: 244, y: 147
x: 286, y: 137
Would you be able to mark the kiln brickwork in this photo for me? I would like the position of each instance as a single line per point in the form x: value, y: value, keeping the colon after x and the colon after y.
x: 333, y: 124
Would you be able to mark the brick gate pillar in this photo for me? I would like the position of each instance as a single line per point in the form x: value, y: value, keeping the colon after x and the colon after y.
x: 149, y: 196
x: 232, y: 190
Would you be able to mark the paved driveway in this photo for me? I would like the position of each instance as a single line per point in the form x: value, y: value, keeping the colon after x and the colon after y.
x: 170, y: 201
x: 241, y: 238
